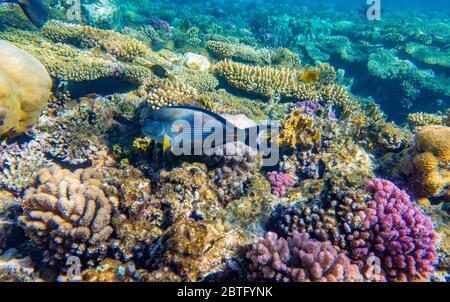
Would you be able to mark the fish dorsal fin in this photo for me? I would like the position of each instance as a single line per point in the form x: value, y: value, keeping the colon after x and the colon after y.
x: 207, y: 112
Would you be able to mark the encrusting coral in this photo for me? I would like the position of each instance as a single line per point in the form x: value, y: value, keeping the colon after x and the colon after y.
x: 68, y: 213
x: 22, y: 97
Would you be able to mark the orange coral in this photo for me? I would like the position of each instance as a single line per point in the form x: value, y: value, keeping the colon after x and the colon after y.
x: 431, y: 162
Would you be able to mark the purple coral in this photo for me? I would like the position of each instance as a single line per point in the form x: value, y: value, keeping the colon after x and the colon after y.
x: 279, y: 182
x: 396, y: 232
x: 299, y: 259
x: 159, y: 24
x: 310, y: 108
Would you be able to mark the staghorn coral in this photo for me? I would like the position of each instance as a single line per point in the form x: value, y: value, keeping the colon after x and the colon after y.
x: 299, y: 259
x: 395, y: 231
x: 22, y: 99
x: 68, y: 213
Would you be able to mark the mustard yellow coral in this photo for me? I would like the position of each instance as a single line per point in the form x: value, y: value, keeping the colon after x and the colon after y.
x: 297, y: 130
x: 431, y: 162
x: 420, y: 119
x: 24, y: 89
x: 273, y: 82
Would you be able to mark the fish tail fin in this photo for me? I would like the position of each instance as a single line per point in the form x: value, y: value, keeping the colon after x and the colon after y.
x: 35, y: 11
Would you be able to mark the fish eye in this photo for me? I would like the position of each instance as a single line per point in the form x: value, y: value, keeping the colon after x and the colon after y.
x: 154, y: 128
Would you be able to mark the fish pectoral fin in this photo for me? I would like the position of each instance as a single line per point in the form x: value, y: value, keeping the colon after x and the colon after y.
x: 166, y: 144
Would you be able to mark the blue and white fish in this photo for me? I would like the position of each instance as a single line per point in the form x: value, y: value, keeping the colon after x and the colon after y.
x: 33, y: 9
x: 196, y: 127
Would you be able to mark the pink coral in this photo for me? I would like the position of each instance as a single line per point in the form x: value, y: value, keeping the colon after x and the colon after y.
x: 396, y: 232
x: 279, y: 182
x: 299, y: 259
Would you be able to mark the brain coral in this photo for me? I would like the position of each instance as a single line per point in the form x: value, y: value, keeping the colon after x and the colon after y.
x: 396, y: 232
x: 299, y: 259
x: 22, y: 97
x: 431, y: 162
x: 68, y: 213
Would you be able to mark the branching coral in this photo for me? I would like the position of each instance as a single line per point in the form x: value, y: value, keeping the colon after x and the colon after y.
x: 159, y: 93
x: 66, y: 62
x: 274, y: 82
x: 239, y: 52
x: 395, y: 231
x: 68, y: 213
x: 421, y: 119
x: 299, y: 259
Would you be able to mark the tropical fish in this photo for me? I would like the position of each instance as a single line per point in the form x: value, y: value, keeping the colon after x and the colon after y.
x: 310, y: 76
x: 33, y: 9
x: 196, y: 126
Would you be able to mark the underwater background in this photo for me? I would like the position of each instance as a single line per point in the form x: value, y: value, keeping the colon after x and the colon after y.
x: 360, y: 190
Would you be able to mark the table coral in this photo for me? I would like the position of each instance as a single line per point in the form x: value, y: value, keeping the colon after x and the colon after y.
x: 273, y: 82
x: 299, y: 259
x: 22, y: 98
x: 68, y: 213
x: 397, y: 232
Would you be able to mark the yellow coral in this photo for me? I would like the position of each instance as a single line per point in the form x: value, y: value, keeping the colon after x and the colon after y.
x: 420, y: 119
x: 167, y: 92
x: 24, y: 89
x: 431, y: 162
x: 297, y: 130
x: 273, y: 82
x: 142, y: 144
